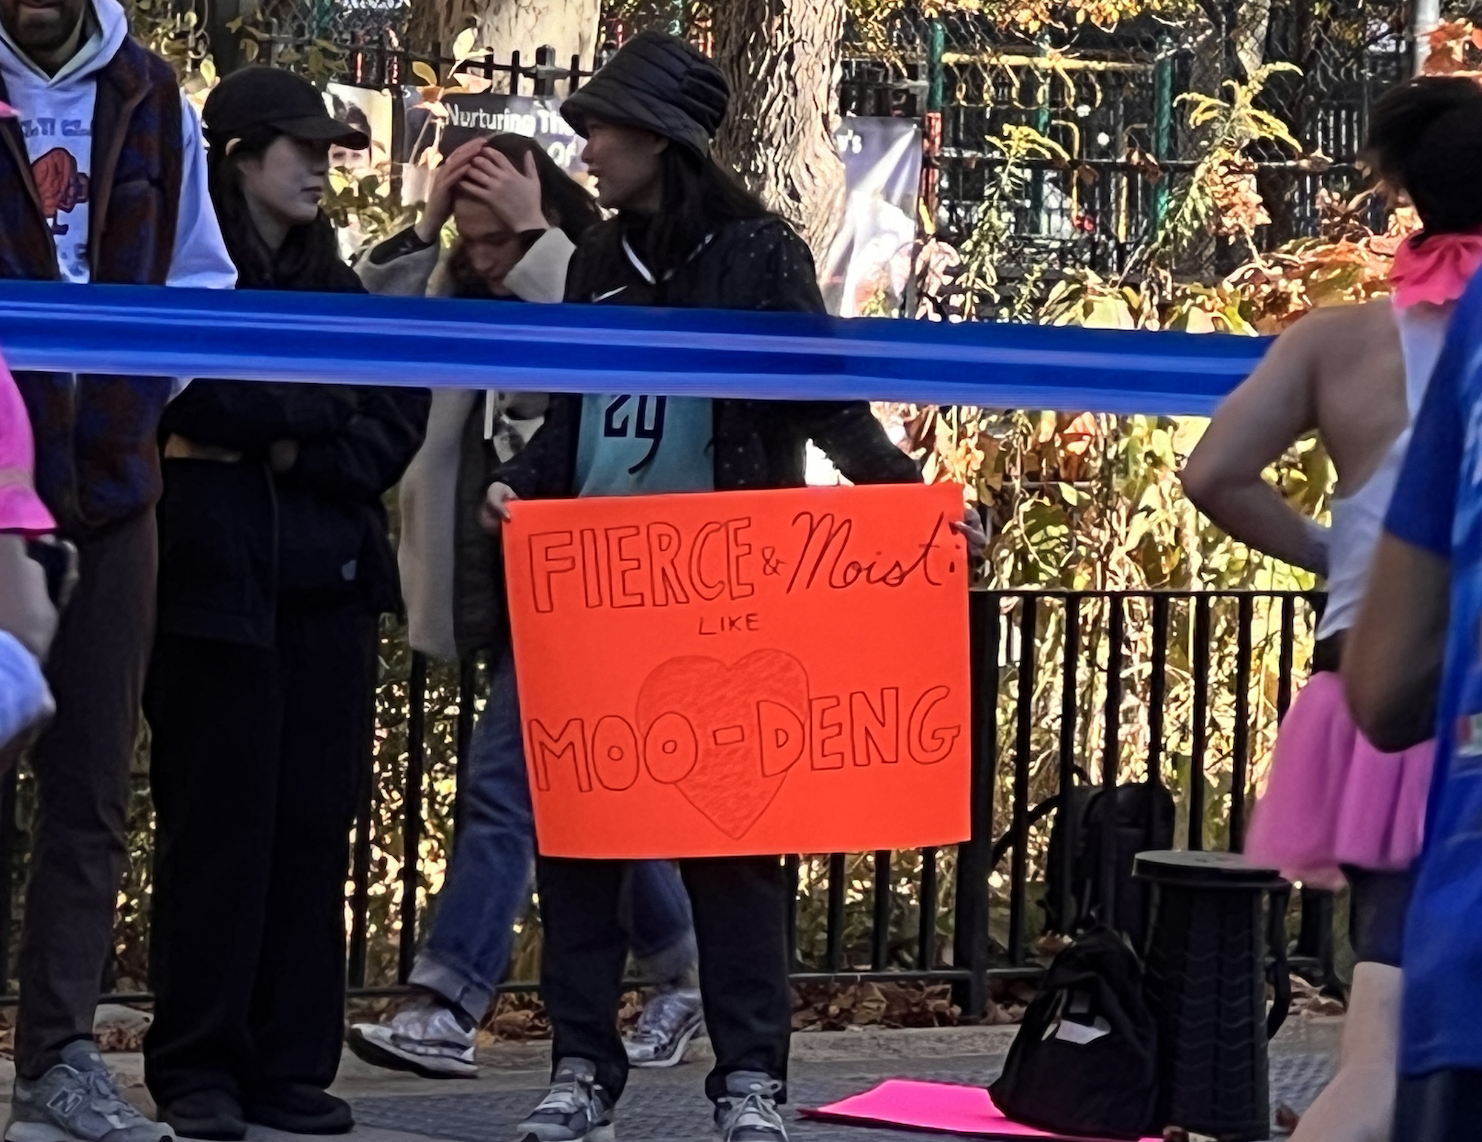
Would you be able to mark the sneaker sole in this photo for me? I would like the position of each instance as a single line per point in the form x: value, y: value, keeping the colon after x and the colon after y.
x: 368, y: 1051
x: 606, y: 1133
x: 682, y: 1044
x: 37, y: 1132
x: 46, y: 1132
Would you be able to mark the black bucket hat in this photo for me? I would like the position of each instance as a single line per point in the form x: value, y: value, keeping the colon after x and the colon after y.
x: 270, y: 97
x: 659, y: 83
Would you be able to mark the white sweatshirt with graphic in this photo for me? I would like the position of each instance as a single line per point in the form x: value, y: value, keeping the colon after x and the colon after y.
x: 56, y: 119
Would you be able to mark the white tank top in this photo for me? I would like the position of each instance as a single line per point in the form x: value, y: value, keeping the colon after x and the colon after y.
x: 1359, y: 518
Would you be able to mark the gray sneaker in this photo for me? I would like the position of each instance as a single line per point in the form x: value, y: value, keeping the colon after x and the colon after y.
x: 748, y: 1112
x: 576, y: 1109
x: 669, y: 1021
x: 427, y: 1037
x: 76, y: 1101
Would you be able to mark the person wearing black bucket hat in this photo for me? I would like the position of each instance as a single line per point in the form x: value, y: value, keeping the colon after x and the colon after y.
x: 684, y: 234
x: 274, y: 568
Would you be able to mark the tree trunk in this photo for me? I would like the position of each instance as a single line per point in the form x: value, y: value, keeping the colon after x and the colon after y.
x: 781, y: 58
x: 506, y: 26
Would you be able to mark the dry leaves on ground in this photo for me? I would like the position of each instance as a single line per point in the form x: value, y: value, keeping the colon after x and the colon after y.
x: 1310, y: 1001
x: 824, y: 1007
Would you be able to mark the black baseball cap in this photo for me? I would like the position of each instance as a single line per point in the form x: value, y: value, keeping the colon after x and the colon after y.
x: 258, y: 97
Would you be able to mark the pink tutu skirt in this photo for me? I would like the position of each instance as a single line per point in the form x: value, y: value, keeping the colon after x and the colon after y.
x: 1333, y: 799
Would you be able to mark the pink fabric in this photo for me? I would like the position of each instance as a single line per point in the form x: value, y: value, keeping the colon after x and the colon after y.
x: 20, y: 508
x: 943, y: 1108
x: 1435, y: 267
x: 1333, y: 799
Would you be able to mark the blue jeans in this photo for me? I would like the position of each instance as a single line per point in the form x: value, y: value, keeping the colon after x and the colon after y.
x: 467, y: 951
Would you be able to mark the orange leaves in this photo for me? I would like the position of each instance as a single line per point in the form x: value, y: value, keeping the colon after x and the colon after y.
x: 1454, y: 48
x: 1239, y: 208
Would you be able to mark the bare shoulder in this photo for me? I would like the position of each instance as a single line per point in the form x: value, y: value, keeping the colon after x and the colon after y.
x: 1343, y: 331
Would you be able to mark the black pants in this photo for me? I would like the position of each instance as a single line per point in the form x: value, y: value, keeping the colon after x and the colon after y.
x: 79, y: 848
x: 1378, y: 903
x: 258, y: 756
x: 740, y: 909
x: 1445, y: 1106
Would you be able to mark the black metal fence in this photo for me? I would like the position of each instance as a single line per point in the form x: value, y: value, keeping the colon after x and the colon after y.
x: 1179, y: 688
x: 1071, y: 688
x: 1104, y: 96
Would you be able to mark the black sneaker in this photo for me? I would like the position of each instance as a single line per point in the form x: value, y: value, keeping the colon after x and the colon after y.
x: 213, y: 1115
x: 299, y: 1108
x: 748, y: 1112
x: 576, y: 1109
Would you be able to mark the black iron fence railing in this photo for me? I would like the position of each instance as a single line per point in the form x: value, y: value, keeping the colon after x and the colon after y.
x: 1073, y: 688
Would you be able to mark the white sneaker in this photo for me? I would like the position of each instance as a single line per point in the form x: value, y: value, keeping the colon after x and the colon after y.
x: 427, y: 1038
x: 669, y: 1021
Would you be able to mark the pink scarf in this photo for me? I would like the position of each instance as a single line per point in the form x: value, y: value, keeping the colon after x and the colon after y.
x: 1435, y: 267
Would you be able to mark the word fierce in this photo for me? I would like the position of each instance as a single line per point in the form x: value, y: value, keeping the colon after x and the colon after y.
x: 656, y: 564
x: 834, y: 732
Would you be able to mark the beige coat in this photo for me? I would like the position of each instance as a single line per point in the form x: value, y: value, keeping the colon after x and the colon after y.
x: 447, y: 566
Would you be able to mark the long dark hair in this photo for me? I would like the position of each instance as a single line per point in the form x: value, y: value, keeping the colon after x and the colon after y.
x: 566, y: 203
x: 1425, y: 136
x: 309, y: 257
x: 700, y: 196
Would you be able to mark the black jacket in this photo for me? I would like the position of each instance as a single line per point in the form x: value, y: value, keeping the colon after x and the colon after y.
x: 235, y: 537
x: 759, y: 264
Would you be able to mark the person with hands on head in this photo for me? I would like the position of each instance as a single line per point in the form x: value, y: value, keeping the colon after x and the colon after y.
x: 1343, y: 803
x: 275, y: 566
x: 518, y: 217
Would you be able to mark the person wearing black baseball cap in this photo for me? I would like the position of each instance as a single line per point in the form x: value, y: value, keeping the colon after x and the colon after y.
x: 274, y: 568
x: 269, y: 136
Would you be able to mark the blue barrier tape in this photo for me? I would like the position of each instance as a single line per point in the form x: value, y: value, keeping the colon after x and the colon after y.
x: 256, y: 335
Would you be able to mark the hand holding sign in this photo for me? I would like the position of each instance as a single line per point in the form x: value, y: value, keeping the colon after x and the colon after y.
x: 741, y: 672
x: 494, y: 513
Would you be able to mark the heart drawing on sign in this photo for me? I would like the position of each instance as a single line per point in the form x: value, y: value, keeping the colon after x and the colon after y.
x: 725, y: 736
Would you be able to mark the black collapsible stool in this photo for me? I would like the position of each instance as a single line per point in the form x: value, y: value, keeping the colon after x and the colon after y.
x: 1214, y: 918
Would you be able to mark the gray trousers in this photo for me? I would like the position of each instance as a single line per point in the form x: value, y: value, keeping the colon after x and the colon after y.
x: 79, y: 845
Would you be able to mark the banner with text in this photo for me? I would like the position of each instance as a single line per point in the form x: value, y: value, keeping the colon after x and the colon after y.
x: 743, y: 672
x: 468, y: 115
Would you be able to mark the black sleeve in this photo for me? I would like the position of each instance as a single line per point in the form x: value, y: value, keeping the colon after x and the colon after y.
x: 368, y: 455
x: 249, y: 415
x: 399, y: 245
x: 855, y: 441
x: 846, y: 431
x: 542, y: 470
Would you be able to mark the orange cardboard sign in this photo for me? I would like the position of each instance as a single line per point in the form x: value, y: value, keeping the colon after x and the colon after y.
x: 735, y: 673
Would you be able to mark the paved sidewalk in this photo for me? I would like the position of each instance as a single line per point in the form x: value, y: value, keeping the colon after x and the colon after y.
x: 669, y: 1105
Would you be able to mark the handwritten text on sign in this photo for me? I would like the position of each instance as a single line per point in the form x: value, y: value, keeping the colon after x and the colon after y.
x: 743, y: 672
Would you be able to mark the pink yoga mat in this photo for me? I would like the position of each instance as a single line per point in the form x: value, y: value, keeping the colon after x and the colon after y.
x: 943, y: 1108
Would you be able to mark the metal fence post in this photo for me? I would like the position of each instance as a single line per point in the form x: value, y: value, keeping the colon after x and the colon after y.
x: 226, y: 50
x: 1162, y: 126
x: 936, y: 48
x: 975, y: 857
